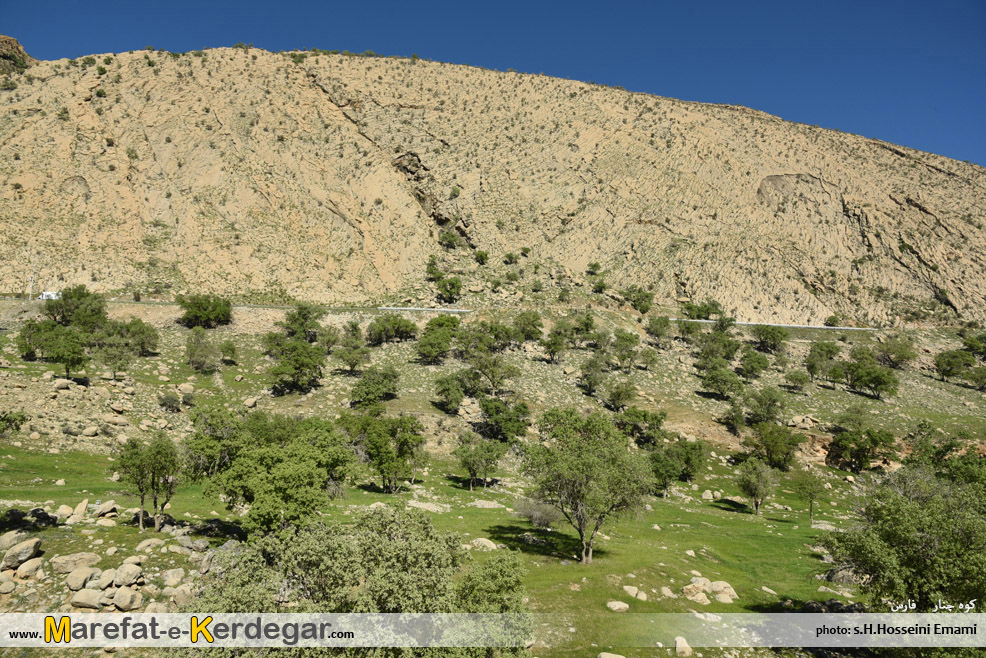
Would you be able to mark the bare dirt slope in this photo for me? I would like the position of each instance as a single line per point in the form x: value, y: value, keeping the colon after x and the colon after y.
x: 329, y: 178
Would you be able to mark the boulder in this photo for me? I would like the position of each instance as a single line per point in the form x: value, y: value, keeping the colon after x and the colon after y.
x: 81, y: 508
x: 109, y: 507
x: 62, y: 384
x: 183, y: 595
x: 29, y: 568
x: 127, y: 599
x: 250, y: 403
x: 106, y: 523
x: 92, y: 430
x: 80, y: 577
x: 604, y: 654
x: 64, y: 511
x: 87, y: 598
x: 186, y: 388
x: 172, y: 577
x: 12, y: 538
x: 7, y: 587
x: 20, y: 553
x: 69, y: 563
x: 157, y: 607
x: 618, y: 606
x: 106, y: 578
x: 149, y: 545
x: 681, y: 647
x: 483, y: 544
x: 631, y: 590
x: 127, y: 574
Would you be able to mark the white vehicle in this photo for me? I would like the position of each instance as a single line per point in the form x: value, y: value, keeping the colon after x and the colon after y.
x: 50, y: 295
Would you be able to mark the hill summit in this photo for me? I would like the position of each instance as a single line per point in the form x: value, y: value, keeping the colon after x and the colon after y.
x: 333, y: 178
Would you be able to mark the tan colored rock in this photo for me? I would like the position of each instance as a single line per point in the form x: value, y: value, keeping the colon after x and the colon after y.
x: 20, y: 553
x: 88, y: 599
x: 127, y: 574
x: 617, y: 606
x: 79, y: 578
x: 29, y: 568
x: 681, y: 647
x: 69, y: 563
x: 127, y: 599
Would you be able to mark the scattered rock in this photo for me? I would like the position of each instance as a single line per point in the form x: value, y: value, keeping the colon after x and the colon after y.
x: 618, y: 606
x: 127, y: 574
x: 87, y: 598
x: 80, y: 577
x: 20, y: 553
x: 127, y: 599
x: 69, y: 563
x: 681, y: 647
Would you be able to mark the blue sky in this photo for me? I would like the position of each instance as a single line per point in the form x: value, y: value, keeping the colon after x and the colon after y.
x: 909, y: 72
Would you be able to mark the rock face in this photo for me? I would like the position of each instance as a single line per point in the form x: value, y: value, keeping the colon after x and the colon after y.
x: 639, y: 183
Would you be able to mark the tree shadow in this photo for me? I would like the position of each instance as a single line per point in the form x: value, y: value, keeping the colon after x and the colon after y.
x: 217, y: 527
x: 710, y: 395
x: 732, y: 506
x: 524, y: 538
x: 463, y: 482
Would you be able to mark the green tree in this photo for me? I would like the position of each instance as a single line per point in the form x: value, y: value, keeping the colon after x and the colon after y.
x: 952, y: 363
x: 434, y: 345
x: 773, y: 444
x: 393, y: 446
x: 65, y: 346
x: 142, y: 337
x: 495, y: 370
x: 976, y: 377
x: 896, y: 351
x: 757, y: 481
x: 135, y: 472
x: 645, y: 428
x: 503, y: 421
x: 302, y: 322
x: 528, y: 325
x: 797, y: 379
x: 11, y: 421
x: 625, y: 348
x: 555, y: 344
x: 164, y: 467
x: 658, y: 328
x: 639, y: 299
x: 821, y: 358
x: 390, y: 327
x: 620, y: 394
x: 77, y: 307
x: 769, y: 338
x: 205, y: 310
x: 918, y: 537
x: 227, y: 349
x: 854, y: 449
x: 764, y: 406
x: 591, y: 377
x: 201, y: 353
x: 586, y: 471
x: 752, y: 364
x: 352, y: 352
x: 297, y: 366
x: 450, y: 289
x: 721, y: 381
x: 479, y: 456
x: 374, y: 386
x: 450, y: 393
x: 810, y: 487
x: 703, y: 311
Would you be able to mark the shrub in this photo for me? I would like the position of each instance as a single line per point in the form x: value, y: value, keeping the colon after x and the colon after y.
x: 170, y: 402
x: 228, y: 350
x: 797, y: 379
x: 620, y: 394
x: 721, y: 381
x: 450, y: 289
x: 896, y: 351
x: 432, y: 271
x: 528, y: 325
x: 752, y: 364
x: 703, y: 311
x: 639, y: 299
x: 764, y: 406
x: 11, y: 422
x: 450, y: 393
x: 449, y: 239
x: 375, y: 386
x: 511, y: 258
x: 206, y: 310
x: 952, y: 363
x: 200, y: 352
x: 539, y: 514
x: 773, y: 444
x: 388, y: 328
x: 768, y: 338
x: 434, y: 345
x: 833, y: 321
x: 658, y: 327
x: 481, y: 257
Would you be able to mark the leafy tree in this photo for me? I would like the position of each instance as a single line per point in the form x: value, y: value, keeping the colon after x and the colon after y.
x: 205, y: 310
x: 142, y: 337
x: 625, y: 348
x: 797, y: 379
x: 374, y: 386
x: 639, y: 299
x: 64, y: 345
x: 952, y: 363
x: 79, y: 308
x: 479, y: 456
x: 896, y: 351
x: 644, y: 427
x: 620, y: 394
x: 352, y: 352
x: 716, y: 345
x: 302, y: 322
x: 976, y: 377
x: 450, y: 393
x: 434, y: 345
x: 703, y: 311
x: 764, y: 406
x: 768, y: 338
x: 201, y: 353
x: 227, y: 349
x: 116, y: 354
x: 328, y: 338
x: 134, y: 470
x: 810, y: 487
x: 976, y: 344
x: 432, y: 271
x: 592, y: 374
x: 528, y: 326
x: 450, y: 289
x: 297, y: 366
x: 495, y: 370
x: 282, y: 468
x: 164, y: 466
x: 392, y: 446
x: 504, y: 421
x: 679, y: 460
x: 586, y: 471
x: 773, y: 444
x: 383, y: 560
x: 658, y: 328
x: 388, y: 328
x: 757, y: 481
x: 649, y: 358
x: 919, y: 537
x: 752, y: 364
x: 854, y: 449
x: 721, y: 381
x: 555, y: 344
x: 821, y: 358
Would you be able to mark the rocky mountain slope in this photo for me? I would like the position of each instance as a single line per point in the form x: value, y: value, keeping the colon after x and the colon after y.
x: 329, y: 178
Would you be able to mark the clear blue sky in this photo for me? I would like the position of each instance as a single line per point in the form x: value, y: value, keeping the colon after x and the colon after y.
x: 912, y: 72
